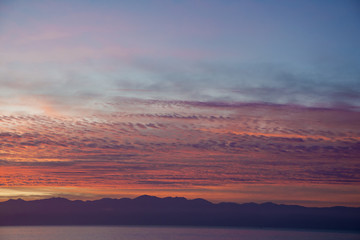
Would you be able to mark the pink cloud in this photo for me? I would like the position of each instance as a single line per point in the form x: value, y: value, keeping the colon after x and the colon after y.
x: 188, y: 147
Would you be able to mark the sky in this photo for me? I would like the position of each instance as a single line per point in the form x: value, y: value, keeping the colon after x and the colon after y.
x: 242, y: 101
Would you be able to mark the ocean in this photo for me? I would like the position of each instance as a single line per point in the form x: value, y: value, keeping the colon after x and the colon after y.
x: 164, y: 233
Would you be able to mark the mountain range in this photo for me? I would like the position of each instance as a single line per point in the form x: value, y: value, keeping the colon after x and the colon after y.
x: 150, y: 210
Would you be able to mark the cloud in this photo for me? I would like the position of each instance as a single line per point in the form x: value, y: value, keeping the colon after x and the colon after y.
x: 192, y: 98
x: 183, y: 143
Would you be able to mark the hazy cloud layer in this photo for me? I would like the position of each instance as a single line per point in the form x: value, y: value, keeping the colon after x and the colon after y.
x: 58, y: 57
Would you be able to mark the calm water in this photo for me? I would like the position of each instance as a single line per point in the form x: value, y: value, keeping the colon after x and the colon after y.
x: 164, y: 233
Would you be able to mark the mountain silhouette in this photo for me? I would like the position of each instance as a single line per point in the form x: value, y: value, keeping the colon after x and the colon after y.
x: 150, y: 210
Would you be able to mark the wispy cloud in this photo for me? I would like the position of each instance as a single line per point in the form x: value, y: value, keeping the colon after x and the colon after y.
x: 182, y: 144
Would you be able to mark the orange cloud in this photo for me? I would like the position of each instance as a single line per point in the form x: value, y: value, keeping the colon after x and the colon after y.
x: 187, y: 150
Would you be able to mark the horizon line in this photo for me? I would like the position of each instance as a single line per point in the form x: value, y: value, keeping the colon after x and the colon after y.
x: 176, y: 197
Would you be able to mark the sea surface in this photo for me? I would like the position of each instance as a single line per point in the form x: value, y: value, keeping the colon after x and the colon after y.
x: 164, y: 233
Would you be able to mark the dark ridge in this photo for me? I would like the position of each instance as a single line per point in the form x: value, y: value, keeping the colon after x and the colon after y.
x: 150, y: 210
